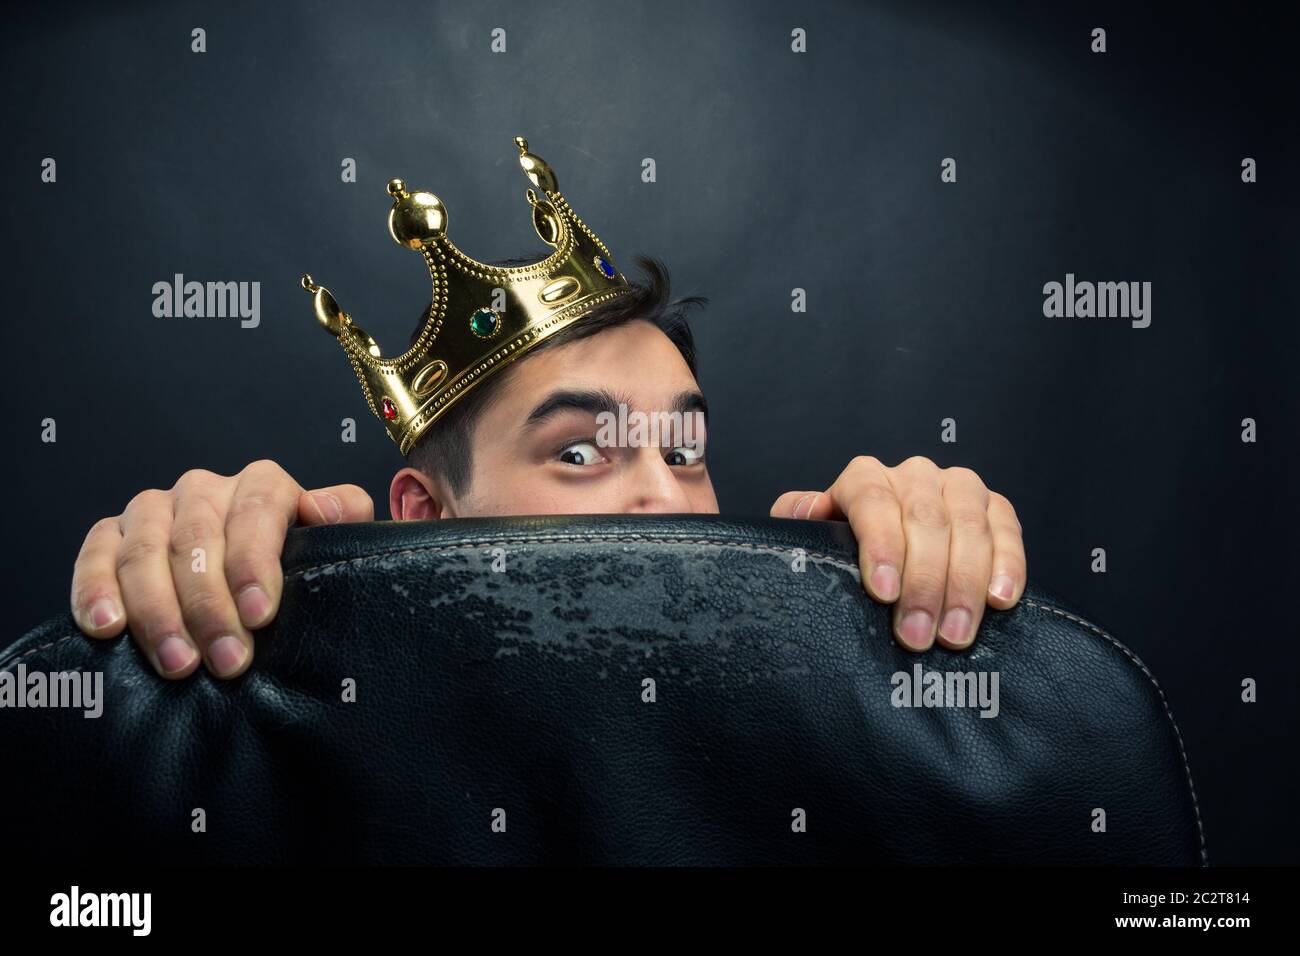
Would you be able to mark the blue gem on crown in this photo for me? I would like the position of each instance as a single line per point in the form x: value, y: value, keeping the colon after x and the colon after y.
x: 603, y: 265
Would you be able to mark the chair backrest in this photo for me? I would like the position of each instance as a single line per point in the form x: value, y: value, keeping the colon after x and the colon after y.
x: 630, y: 689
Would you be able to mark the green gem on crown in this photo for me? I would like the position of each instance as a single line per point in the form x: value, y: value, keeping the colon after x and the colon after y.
x: 484, y: 323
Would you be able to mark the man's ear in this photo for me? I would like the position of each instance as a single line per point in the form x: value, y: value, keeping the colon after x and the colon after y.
x: 414, y: 496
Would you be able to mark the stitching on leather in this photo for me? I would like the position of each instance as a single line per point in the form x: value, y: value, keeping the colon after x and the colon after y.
x: 766, y: 549
x: 36, y: 650
x: 1187, y: 770
x: 824, y: 558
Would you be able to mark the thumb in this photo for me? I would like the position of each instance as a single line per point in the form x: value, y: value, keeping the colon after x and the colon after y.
x: 337, y: 504
x: 803, y: 504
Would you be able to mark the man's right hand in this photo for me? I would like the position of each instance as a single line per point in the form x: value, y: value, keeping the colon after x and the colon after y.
x: 143, y: 568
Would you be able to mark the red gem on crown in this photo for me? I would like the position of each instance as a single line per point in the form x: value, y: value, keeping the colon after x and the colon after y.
x: 390, y: 410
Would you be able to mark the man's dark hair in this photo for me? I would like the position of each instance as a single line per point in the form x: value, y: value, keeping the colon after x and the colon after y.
x: 444, y: 450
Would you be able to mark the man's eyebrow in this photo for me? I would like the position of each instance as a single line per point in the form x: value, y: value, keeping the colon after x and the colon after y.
x: 691, y: 402
x: 593, y: 402
x: 596, y: 401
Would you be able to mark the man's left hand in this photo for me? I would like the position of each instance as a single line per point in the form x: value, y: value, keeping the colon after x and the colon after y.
x: 935, y: 540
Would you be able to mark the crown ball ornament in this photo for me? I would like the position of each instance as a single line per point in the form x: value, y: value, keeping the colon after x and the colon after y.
x: 415, y: 217
x: 483, y: 317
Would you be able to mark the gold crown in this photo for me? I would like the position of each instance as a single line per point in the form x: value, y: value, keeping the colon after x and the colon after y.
x: 482, y: 317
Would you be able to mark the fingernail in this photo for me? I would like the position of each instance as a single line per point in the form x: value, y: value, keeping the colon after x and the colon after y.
x: 104, y: 612
x: 254, y: 605
x: 804, y: 506
x: 956, y: 625
x: 175, y: 654
x: 916, y: 629
x: 331, y: 511
x: 226, y: 655
x: 885, y: 581
x: 1003, y: 587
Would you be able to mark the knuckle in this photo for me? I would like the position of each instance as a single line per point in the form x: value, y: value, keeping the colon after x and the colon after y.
x: 103, y: 526
x: 249, y: 564
x: 195, y: 479
x: 137, y: 551
x: 1007, y: 507
x: 208, y: 510
x: 966, y: 584
x: 145, y: 499
x: 152, y: 616
x: 924, y: 585
x: 918, y: 462
x: 208, y: 608
x: 972, y: 521
x: 191, y: 533
x: 266, y: 468
x: 869, y: 498
x: 877, y: 492
x: 967, y: 484
x: 861, y: 462
x: 963, y: 473
x: 251, y: 503
x: 928, y: 513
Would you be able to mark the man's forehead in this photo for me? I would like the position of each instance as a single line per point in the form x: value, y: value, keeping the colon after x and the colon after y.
x: 654, y: 390
x: 643, y: 382
x: 635, y: 365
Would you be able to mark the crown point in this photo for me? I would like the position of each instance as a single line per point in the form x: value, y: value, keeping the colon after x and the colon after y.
x: 309, y: 283
x: 331, y: 318
x: 397, y: 189
x: 417, y: 218
x: 536, y: 168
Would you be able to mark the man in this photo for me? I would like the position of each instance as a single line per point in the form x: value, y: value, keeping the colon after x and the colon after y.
x: 498, y: 410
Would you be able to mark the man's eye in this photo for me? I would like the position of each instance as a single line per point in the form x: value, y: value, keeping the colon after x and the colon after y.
x: 580, y: 453
x: 684, y: 455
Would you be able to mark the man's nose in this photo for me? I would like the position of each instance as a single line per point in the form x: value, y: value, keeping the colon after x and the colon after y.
x: 656, y: 489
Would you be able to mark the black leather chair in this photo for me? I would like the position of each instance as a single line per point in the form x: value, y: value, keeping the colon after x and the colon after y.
x: 485, y: 696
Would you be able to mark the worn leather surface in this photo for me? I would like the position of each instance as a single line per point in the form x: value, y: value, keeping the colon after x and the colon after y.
x: 522, y: 690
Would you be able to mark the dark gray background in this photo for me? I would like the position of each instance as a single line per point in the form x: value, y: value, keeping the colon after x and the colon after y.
x: 775, y: 170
